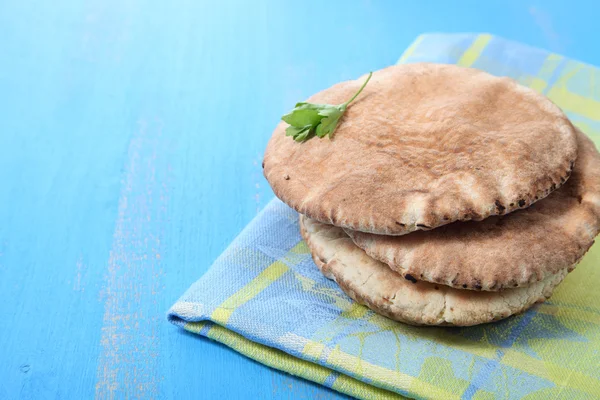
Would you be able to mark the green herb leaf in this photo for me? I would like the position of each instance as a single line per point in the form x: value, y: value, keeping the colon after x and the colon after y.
x: 304, y: 114
x: 328, y: 124
x: 298, y: 134
x: 309, y: 119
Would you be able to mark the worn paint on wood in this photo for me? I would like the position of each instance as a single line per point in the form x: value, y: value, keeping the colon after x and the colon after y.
x: 131, y: 140
x: 128, y: 355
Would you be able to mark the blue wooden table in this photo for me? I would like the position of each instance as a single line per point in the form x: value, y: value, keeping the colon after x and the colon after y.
x: 131, y: 140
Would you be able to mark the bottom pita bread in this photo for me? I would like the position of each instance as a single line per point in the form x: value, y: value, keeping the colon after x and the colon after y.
x: 374, y: 284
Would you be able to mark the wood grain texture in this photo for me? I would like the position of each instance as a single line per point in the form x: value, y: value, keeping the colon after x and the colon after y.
x: 131, y: 141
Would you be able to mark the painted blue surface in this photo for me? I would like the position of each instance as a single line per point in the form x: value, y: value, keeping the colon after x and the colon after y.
x: 131, y: 139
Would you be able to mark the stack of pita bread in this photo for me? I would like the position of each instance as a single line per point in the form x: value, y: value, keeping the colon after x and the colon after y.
x: 447, y: 196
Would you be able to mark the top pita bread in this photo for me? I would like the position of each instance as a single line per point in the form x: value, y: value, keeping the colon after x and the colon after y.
x: 503, y: 252
x: 422, y: 146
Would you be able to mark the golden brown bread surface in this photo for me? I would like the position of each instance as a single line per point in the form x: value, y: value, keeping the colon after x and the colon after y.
x: 375, y: 285
x: 503, y: 252
x: 422, y: 146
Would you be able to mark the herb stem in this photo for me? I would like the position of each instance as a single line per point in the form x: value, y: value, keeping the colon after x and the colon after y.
x: 359, y: 90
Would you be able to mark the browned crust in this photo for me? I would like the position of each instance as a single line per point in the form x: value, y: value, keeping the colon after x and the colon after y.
x: 425, y: 145
x: 503, y: 252
x: 374, y: 284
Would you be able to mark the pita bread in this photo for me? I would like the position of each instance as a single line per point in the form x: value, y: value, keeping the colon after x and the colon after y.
x: 375, y: 285
x: 503, y: 252
x: 422, y: 146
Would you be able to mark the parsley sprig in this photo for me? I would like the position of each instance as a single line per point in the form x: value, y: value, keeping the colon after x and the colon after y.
x: 308, y: 119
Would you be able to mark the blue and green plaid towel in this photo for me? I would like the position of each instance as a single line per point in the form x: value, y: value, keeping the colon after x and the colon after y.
x: 265, y: 298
